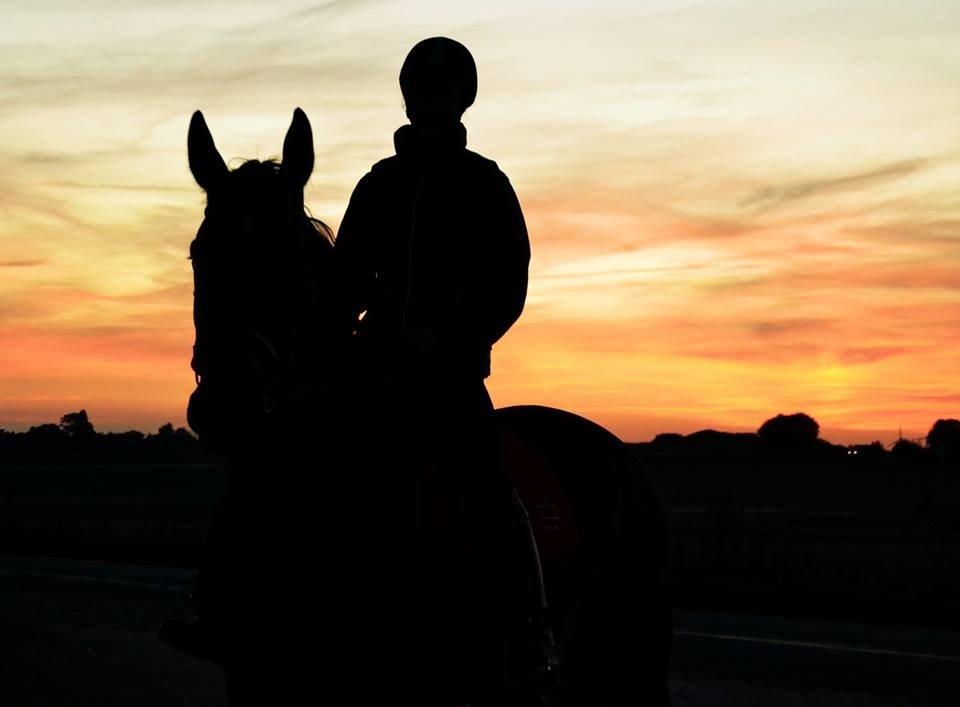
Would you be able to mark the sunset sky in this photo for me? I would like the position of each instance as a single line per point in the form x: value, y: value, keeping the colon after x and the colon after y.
x: 736, y: 209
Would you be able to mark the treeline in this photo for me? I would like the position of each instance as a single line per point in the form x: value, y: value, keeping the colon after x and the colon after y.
x: 75, y: 435
x: 798, y: 436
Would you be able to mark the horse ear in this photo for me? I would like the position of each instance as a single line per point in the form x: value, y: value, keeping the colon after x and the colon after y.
x: 298, y: 150
x: 206, y: 164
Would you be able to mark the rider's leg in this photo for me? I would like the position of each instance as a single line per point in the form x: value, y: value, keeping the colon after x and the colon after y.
x: 487, y: 502
x: 470, y: 638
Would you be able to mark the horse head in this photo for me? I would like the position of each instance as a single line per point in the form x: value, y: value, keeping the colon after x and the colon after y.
x: 261, y: 269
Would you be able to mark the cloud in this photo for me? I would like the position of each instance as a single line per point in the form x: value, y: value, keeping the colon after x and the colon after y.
x: 871, y: 354
x: 773, y: 197
x: 318, y: 10
x: 780, y: 327
x: 66, y: 159
x: 150, y: 188
x: 26, y: 263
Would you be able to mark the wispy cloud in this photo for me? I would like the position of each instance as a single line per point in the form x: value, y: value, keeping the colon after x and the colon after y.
x: 773, y: 197
x: 27, y: 263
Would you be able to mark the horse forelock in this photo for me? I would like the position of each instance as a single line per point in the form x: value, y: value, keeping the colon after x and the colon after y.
x: 259, y: 187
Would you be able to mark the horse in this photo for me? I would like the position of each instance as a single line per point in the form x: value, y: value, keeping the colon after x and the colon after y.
x: 594, y: 625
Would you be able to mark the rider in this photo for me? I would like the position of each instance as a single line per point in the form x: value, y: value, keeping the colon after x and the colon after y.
x: 432, y: 254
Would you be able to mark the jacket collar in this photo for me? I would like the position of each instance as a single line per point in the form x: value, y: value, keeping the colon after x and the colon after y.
x: 410, y: 143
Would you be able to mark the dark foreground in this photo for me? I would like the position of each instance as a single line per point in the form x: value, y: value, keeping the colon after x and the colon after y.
x: 80, y: 633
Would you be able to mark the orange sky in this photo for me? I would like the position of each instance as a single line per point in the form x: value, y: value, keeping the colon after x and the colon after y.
x: 736, y: 208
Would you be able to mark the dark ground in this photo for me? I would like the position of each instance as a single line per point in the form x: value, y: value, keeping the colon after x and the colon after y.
x: 80, y: 633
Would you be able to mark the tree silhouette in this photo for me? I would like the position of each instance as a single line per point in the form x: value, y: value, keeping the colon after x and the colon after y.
x: 873, y: 451
x: 944, y: 439
x: 789, y: 432
x: 45, y: 437
x: 75, y: 433
x: 77, y: 425
x: 906, y: 451
x: 170, y: 439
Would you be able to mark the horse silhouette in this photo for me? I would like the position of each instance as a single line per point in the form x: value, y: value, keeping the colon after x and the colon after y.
x: 295, y: 594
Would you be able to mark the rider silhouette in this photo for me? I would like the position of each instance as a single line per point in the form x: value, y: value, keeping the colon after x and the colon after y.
x: 432, y: 254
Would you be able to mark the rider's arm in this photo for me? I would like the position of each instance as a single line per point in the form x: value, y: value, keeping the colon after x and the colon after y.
x: 493, y: 298
x: 351, y: 249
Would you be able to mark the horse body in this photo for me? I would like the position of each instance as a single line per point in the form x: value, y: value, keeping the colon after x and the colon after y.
x: 599, y: 527
x: 303, y: 540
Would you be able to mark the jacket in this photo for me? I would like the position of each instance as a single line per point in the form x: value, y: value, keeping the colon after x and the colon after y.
x: 434, y: 238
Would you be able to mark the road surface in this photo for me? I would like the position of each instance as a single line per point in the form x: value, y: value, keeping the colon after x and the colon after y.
x: 77, y: 633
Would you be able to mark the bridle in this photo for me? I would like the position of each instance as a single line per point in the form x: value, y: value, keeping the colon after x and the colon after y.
x: 268, y: 372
